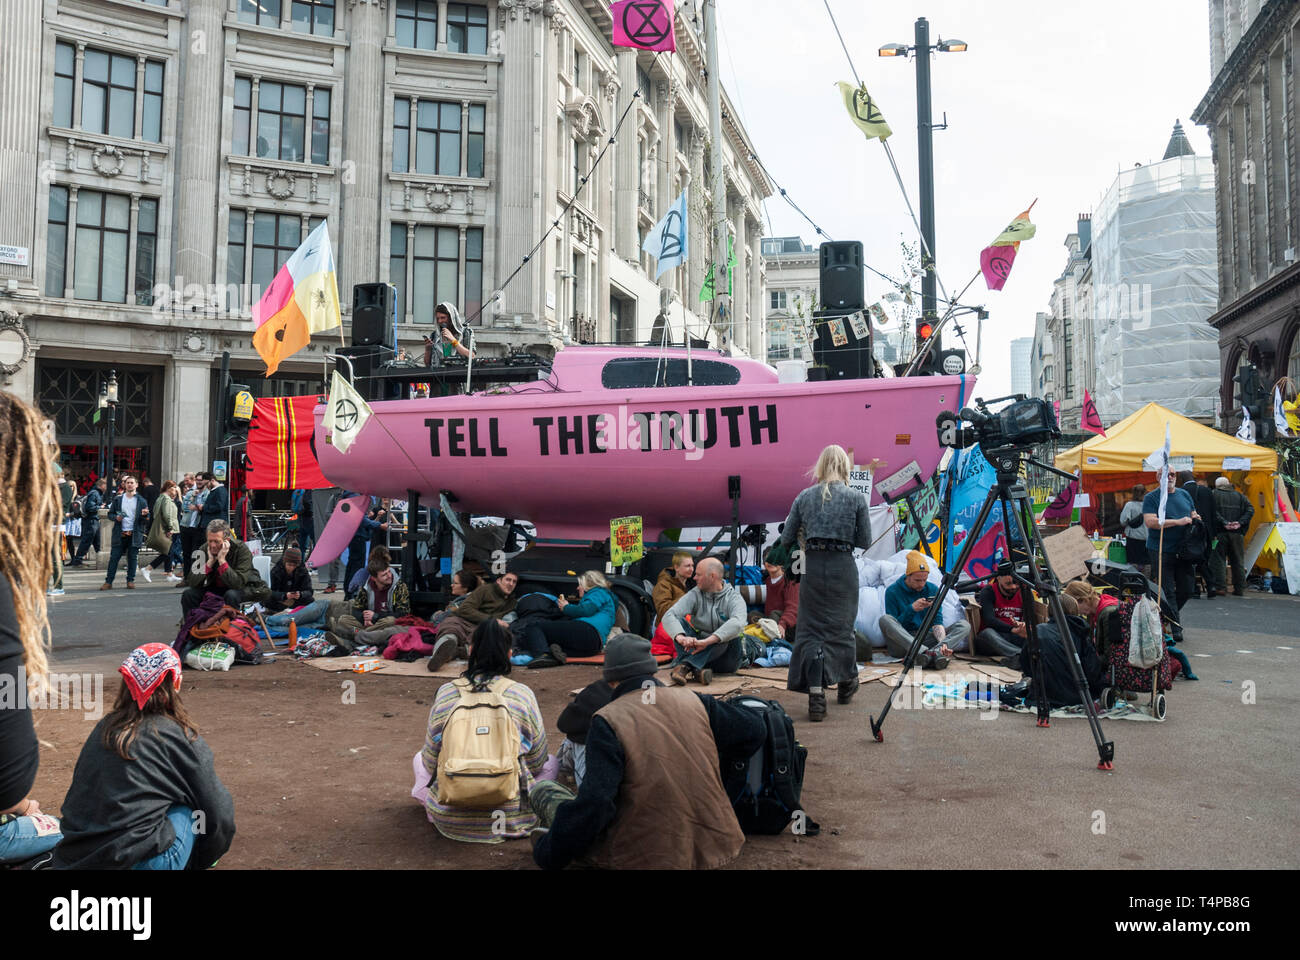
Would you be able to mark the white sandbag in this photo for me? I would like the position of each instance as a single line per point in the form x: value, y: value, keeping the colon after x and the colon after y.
x: 211, y: 656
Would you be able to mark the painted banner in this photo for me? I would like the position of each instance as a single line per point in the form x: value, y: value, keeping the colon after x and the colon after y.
x: 280, y: 454
x: 971, y: 478
x: 625, y: 541
x: 925, y: 502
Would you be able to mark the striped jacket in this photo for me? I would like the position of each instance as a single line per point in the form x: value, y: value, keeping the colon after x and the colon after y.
x: 481, y: 826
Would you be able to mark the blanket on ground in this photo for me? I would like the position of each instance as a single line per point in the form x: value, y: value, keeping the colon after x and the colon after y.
x: 211, y: 605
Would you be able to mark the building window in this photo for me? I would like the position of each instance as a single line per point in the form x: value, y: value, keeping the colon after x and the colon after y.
x: 313, y: 16
x: 1068, y: 344
x: 146, y: 247
x: 275, y: 237
x: 1293, y: 358
x: 437, y: 138
x: 235, y: 250
x: 474, y: 271
x: 262, y: 12
x: 577, y: 164
x: 64, y: 77
x: 466, y: 28
x: 56, y: 243
x: 777, y: 299
x: 282, y: 121
x: 243, y: 106
x: 474, y: 148
x: 417, y: 24
x: 432, y: 262
x: 397, y: 268
x: 103, y: 235
x: 679, y: 135
x: 401, y: 134
x: 643, y: 85
x: 108, y: 94
x: 320, y: 126
x: 151, y: 126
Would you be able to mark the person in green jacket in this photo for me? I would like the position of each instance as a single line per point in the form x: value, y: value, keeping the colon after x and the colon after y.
x: 227, y: 571
x: 166, y: 525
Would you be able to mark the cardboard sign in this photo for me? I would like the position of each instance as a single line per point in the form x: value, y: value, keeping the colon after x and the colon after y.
x: 895, y: 481
x: 625, y: 541
x: 1082, y: 500
x: 862, y: 480
x: 1069, y: 552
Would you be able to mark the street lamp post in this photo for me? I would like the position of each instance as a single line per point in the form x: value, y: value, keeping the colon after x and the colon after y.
x: 922, y: 49
x: 110, y: 397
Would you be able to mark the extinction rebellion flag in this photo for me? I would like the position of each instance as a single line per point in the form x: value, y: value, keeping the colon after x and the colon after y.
x: 644, y: 24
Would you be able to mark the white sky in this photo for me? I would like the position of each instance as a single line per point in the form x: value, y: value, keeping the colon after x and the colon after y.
x: 1049, y: 102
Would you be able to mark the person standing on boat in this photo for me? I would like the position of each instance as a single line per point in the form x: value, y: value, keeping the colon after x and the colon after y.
x: 455, y: 335
x: 832, y: 519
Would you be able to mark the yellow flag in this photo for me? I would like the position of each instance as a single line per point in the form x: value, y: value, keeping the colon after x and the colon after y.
x: 863, y: 111
x: 1017, y: 230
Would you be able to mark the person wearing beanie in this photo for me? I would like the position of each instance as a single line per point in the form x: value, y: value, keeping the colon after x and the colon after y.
x: 906, y: 603
x: 143, y: 779
x: 292, y: 598
x: 652, y: 797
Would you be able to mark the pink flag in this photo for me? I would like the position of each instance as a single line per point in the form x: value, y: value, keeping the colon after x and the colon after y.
x: 1090, y: 420
x: 644, y: 24
x: 995, y: 262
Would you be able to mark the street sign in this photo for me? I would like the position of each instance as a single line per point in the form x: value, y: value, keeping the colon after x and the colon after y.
x: 243, y: 406
x: 95, y: 418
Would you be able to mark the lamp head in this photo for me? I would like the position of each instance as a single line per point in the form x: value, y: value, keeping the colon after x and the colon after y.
x: 893, y: 50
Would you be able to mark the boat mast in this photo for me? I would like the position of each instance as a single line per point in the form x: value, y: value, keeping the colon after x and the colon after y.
x: 721, y: 294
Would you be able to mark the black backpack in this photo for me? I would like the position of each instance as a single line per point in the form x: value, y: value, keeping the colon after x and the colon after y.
x: 1195, y: 544
x: 764, y: 790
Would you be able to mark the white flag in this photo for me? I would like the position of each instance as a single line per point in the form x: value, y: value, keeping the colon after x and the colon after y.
x: 346, y: 412
x: 1246, y: 431
x: 1159, y: 461
x: 1279, y: 415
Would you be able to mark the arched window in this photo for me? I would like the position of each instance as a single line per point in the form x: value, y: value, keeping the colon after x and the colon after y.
x: 1293, y: 356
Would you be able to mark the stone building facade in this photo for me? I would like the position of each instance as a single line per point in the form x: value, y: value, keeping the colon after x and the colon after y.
x: 162, y: 159
x: 1250, y: 113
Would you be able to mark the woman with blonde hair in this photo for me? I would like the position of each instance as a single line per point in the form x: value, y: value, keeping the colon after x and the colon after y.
x: 581, y: 632
x: 830, y: 519
x: 29, y: 513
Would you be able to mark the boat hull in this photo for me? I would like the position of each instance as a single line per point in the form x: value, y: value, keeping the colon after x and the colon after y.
x: 572, y: 461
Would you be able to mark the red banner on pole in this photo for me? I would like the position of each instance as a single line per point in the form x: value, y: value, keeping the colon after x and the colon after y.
x: 281, y: 446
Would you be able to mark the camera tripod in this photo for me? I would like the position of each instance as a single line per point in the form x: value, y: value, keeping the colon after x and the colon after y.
x: 1038, y: 575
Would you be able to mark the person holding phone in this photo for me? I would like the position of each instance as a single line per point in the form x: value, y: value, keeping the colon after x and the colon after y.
x: 129, y: 515
x: 226, y: 569
x: 907, y: 601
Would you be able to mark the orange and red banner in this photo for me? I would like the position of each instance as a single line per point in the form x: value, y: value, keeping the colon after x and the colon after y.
x: 281, y: 451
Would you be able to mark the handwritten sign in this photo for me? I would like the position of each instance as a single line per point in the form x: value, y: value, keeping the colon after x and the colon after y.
x: 625, y: 542
x: 895, y: 481
x: 1236, y: 463
x: 861, y: 479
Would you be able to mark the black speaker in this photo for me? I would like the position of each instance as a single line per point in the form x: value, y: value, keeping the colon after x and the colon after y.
x: 372, y: 315
x: 842, y: 278
x: 850, y: 360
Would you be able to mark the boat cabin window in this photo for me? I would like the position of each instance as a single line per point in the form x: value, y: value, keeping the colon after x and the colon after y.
x: 628, y: 372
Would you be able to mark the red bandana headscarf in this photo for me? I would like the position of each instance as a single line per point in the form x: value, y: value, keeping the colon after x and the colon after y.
x: 146, y: 667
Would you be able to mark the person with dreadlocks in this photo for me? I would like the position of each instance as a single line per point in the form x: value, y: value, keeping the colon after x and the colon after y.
x: 144, y: 794
x: 29, y: 512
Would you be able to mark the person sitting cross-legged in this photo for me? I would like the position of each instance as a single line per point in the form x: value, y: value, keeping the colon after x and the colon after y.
x: 1002, y: 629
x: 292, y: 599
x: 906, y: 602
x: 375, y: 608
x: 707, y: 643
x: 490, y: 600
x: 226, y: 569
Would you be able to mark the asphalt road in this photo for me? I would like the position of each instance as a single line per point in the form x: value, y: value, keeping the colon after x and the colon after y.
x: 1216, y: 785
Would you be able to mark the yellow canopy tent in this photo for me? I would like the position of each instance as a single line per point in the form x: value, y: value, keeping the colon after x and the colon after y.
x: 1114, y: 462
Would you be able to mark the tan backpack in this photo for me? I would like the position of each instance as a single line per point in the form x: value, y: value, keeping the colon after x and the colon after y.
x: 478, y: 765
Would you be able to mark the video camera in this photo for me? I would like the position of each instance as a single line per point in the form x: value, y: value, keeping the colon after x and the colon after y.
x: 1024, y: 423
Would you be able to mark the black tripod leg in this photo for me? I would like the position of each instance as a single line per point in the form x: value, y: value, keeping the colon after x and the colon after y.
x: 1050, y: 588
x: 949, y: 579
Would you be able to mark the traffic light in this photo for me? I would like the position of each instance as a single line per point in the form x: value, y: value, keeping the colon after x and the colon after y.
x: 239, y: 403
x: 924, y: 332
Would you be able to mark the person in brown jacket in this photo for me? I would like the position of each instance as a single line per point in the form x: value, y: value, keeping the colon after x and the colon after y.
x: 488, y: 601
x: 781, y: 599
x: 673, y: 583
x: 652, y: 797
